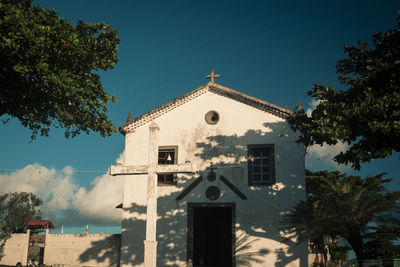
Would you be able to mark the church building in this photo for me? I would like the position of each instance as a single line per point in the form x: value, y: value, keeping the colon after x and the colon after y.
x: 208, y: 177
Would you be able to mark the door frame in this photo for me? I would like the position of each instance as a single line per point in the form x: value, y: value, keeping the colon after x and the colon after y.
x: 189, y: 228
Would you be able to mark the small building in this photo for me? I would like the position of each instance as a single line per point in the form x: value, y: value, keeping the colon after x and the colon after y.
x: 39, y: 225
x: 226, y: 166
x: 37, y: 239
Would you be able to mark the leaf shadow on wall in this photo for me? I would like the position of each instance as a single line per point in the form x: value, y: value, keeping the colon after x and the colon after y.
x: 172, y: 228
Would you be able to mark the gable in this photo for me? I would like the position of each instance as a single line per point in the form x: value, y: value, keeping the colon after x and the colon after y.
x: 214, y: 88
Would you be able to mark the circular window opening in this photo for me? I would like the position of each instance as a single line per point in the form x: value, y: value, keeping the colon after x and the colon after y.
x: 213, y: 193
x: 212, y: 117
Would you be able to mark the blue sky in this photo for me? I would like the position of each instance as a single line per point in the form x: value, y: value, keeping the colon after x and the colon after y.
x: 273, y: 50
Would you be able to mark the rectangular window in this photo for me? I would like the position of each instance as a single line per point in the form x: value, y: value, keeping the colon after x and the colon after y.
x: 261, y: 164
x: 167, y: 155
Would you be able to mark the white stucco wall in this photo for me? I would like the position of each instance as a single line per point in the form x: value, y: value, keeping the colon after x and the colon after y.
x: 225, y: 145
x: 16, y: 250
x: 82, y: 249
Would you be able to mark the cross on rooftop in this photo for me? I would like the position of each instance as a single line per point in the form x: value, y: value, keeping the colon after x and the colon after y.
x: 212, y: 76
x: 212, y: 175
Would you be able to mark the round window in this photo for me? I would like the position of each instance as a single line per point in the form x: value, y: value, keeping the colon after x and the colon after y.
x: 213, y: 193
x: 212, y: 117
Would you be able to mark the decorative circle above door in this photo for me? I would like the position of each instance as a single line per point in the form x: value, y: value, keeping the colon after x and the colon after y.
x: 213, y: 193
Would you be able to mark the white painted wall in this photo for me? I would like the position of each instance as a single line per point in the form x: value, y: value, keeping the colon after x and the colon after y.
x: 225, y: 144
x: 16, y: 250
x: 82, y: 249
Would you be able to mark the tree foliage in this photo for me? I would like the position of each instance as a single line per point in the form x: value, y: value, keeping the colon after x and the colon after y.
x: 382, y: 242
x: 367, y: 114
x: 342, y: 206
x: 16, y: 210
x: 48, y: 72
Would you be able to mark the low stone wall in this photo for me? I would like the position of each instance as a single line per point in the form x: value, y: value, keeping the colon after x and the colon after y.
x: 16, y: 250
x: 82, y: 249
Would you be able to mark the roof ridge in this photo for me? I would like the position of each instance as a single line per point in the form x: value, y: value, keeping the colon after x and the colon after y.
x: 273, y: 106
x: 212, y: 87
x: 174, y: 102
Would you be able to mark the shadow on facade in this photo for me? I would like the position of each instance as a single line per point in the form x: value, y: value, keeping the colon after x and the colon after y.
x: 172, y: 221
x: 103, y: 251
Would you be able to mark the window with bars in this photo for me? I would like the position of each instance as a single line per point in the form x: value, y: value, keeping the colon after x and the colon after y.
x: 167, y: 155
x: 261, y: 164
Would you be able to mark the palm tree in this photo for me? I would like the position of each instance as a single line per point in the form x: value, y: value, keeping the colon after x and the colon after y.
x: 340, y: 206
x: 307, y: 223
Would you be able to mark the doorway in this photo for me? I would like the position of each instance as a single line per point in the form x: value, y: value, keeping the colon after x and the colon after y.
x: 211, y: 234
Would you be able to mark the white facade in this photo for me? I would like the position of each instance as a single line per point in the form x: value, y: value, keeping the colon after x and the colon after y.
x: 255, y: 212
x: 66, y: 250
x: 82, y: 249
x: 16, y: 249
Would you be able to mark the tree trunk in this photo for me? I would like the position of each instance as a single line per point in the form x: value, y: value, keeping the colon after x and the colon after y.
x: 356, y: 243
x: 325, y: 258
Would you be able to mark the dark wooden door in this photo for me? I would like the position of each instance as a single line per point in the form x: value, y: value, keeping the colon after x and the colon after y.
x: 212, y: 236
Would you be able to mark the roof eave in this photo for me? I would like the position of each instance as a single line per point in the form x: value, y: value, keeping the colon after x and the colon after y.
x: 215, y: 88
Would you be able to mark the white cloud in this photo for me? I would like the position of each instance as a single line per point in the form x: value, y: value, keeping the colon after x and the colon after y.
x: 62, y: 195
x: 311, y: 106
x: 318, y: 151
x: 321, y: 157
x: 33, y: 178
x: 121, y: 159
x: 62, y: 189
x: 100, y: 200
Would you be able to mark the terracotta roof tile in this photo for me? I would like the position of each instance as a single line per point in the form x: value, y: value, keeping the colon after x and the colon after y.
x: 42, y: 224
